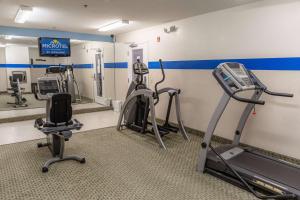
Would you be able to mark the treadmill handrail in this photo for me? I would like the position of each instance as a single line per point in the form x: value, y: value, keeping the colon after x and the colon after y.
x: 278, y: 93
x: 258, y: 86
x: 265, y: 89
x: 246, y: 100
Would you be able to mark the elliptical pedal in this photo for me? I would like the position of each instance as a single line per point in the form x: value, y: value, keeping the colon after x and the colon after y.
x: 162, y: 131
x: 170, y: 128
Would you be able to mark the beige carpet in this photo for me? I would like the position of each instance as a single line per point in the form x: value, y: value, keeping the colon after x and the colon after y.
x: 119, y: 166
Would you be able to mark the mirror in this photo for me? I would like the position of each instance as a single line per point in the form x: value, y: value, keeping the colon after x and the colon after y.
x: 81, y: 74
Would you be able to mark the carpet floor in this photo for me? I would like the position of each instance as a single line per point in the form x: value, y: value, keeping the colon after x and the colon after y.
x: 119, y: 166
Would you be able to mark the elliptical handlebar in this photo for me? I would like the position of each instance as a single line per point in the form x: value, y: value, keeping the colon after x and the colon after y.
x: 139, y: 73
x: 159, y: 82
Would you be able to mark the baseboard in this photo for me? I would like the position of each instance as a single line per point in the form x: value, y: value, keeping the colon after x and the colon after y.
x: 5, y: 92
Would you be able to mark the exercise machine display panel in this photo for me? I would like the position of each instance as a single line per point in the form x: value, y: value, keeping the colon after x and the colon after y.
x: 47, y: 86
x: 236, y: 75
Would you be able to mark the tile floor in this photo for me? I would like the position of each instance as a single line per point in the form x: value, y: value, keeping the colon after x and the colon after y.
x: 24, y: 131
x: 34, y: 111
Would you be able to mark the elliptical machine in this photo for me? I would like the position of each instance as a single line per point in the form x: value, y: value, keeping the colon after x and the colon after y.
x: 140, y: 101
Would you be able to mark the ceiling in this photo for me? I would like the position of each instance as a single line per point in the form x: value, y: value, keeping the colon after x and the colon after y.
x: 71, y: 15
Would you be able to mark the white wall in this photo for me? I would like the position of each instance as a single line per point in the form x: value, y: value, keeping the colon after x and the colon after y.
x: 264, y: 29
x: 121, y: 75
x: 3, y: 80
x: 109, y: 74
x: 16, y: 54
x: 38, y: 72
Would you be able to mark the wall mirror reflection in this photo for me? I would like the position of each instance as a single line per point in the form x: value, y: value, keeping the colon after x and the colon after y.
x: 79, y: 69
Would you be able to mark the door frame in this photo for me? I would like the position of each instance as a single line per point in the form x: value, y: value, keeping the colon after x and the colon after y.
x: 99, y: 99
x: 143, y: 46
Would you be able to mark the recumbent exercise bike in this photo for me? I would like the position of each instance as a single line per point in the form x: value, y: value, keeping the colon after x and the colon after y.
x: 15, y: 81
x: 59, y: 124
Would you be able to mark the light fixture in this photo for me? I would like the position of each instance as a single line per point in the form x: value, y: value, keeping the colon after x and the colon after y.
x: 8, y: 37
x: 171, y: 29
x: 23, y: 14
x: 75, y: 41
x: 133, y: 45
x: 113, y: 25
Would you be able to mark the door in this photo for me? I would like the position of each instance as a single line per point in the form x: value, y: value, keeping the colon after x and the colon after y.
x: 139, y: 51
x: 99, y: 93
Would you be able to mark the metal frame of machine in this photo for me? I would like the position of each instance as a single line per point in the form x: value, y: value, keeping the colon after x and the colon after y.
x: 15, y: 80
x: 246, y: 167
x: 57, y: 134
x: 67, y: 80
x: 136, y: 92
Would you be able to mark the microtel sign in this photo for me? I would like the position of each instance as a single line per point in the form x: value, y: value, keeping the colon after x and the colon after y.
x: 54, y: 47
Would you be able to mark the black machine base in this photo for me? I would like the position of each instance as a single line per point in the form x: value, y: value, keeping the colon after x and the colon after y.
x: 163, y: 129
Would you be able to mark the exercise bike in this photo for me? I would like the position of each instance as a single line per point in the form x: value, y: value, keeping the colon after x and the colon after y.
x: 59, y: 123
x: 141, y: 101
x: 17, y: 90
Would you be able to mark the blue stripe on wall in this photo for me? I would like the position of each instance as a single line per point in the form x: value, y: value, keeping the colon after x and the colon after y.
x: 41, y: 65
x: 119, y: 65
x: 292, y: 63
x: 76, y: 66
x: 83, y: 66
x: 31, y: 32
x: 15, y: 65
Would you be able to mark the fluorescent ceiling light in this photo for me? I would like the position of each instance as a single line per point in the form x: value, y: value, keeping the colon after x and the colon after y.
x: 9, y: 44
x: 8, y: 37
x: 113, y: 25
x: 23, y: 14
x: 75, y: 40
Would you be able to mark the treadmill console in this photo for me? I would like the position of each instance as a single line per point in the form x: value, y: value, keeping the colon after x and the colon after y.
x: 46, y: 87
x: 236, y: 76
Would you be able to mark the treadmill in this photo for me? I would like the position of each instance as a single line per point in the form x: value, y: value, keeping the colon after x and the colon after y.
x: 264, y: 176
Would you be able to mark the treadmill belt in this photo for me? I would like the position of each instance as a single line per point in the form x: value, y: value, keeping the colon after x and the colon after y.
x: 266, y: 167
